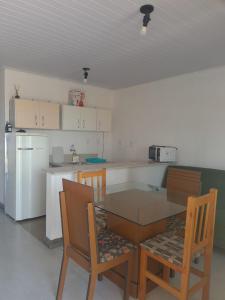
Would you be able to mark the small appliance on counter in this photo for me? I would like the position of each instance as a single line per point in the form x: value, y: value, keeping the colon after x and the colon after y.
x: 8, y: 127
x: 57, y: 157
x: 162, y: 153
x: 75, y: 156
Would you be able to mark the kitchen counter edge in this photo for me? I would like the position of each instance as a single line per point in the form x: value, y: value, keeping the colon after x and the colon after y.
x: 108, y: 165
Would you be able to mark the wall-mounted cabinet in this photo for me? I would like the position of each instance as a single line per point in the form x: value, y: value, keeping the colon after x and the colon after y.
x: 78, y: 118
x: 49, y: 115
x: 34, y: 114
x: 104, y: 119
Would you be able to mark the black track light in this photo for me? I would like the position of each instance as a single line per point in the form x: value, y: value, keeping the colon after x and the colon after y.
x: 146, y: 10
x: 86, y: 70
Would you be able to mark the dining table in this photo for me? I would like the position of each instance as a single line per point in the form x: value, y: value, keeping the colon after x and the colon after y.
x: 137, y: 211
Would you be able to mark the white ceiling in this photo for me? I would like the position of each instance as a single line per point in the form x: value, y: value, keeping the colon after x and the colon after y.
x: 59, y: 37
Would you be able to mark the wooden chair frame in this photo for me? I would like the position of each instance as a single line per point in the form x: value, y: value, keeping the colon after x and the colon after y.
x: 82, y: 177
x: 89, y: 263
x: 199, y: 235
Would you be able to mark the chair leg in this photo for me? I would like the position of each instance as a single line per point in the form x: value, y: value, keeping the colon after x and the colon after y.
x: 62, y: 276
x: 185, y: 277
x: 100, y: 277
x: 142, y: 278
x: 172, y: 273
x: 127, y: 280
x: 91, y: 285
x: 166, y: 273
x: 207, y: 270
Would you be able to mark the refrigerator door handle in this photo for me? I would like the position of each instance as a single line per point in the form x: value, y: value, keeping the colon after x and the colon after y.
x: 25, y: 148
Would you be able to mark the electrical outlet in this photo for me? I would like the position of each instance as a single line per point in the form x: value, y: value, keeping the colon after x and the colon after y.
x: 72, y: 147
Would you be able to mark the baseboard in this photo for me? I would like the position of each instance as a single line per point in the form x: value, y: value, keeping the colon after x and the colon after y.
x: 53, y: 243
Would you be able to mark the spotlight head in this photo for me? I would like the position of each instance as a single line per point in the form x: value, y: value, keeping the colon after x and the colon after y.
x: 143, y: 30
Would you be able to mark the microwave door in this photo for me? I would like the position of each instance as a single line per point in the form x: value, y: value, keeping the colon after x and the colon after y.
x: 158, y: 154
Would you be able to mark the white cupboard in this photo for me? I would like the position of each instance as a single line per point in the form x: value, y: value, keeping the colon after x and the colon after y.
x: 70, y: 118
x: 78, y: 118
x: 48, y: 115
x: 104, y: 119
x: 25, y: 113
x: 88, y: 118
x: 34, y: 114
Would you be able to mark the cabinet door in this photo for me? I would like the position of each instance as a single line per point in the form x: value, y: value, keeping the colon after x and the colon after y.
x: 88, y: 118
x: 26, y: 113
x: 71, y: 117
x: 104, y: 118
x: 49, y: 115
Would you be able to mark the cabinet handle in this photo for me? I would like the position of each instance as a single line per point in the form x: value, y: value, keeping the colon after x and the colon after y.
x: 78, y: 123
x: 36, y: 120
x: 83, y: 123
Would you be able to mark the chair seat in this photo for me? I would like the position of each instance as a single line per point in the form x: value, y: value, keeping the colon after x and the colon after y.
x: 101, y: 220
x: 176, y: 224
x: 168, y: 245
x: 111, y: 245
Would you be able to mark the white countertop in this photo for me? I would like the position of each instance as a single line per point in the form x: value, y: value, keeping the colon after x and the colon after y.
x: 68, y: 168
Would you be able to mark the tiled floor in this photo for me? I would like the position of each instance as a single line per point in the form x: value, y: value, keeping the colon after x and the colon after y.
x: 29, y: 271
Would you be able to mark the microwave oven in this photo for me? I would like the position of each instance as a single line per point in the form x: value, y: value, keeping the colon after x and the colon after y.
x: 162, y: 153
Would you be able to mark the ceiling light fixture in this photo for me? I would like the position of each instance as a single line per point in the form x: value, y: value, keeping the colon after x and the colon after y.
x: 86, y: 70
x: 146, y: 10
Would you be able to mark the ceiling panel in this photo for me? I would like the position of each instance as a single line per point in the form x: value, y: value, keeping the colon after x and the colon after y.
x: 58, y: 38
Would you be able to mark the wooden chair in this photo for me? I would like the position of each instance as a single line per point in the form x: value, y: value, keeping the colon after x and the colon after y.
x: 95, y: 254
x: 182, y: 183
x: 96, y: 179
x: 177, y: 253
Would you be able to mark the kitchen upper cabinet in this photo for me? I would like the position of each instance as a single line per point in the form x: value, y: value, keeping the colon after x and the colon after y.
x: 34, y: 114
x: 78, y: 118
x: 88, y: 118
x: 25, y: 113
x: 48, y: 115
x: 71, y: 118
x: 104, y: 119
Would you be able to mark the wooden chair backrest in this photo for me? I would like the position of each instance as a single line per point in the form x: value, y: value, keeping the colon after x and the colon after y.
x: 200, y: 221
x: 96, y: 179
x: 92, y: 235
x: 182, y: 183
x: 74, y: 204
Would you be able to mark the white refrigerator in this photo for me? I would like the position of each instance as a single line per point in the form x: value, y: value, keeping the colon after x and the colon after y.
x: 27, y: 160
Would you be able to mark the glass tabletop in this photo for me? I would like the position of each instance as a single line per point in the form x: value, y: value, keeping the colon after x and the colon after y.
x: 138, y: 202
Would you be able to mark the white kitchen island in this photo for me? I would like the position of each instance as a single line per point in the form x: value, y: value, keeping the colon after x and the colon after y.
x: 143, y: 172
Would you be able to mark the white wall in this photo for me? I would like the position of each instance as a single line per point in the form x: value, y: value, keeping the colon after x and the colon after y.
x: 186, y: 111
x: 33, y: 86
x: 2, y: 136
